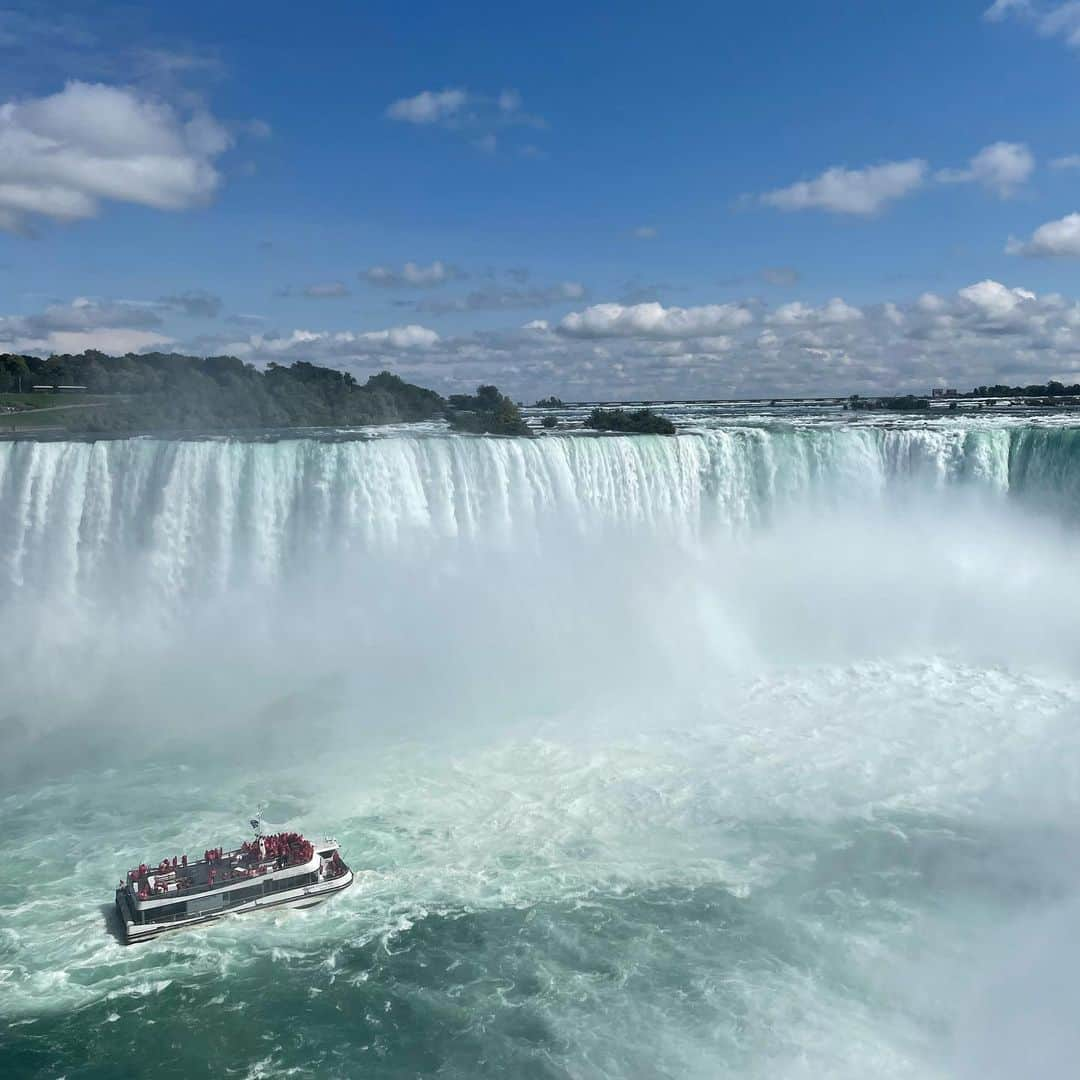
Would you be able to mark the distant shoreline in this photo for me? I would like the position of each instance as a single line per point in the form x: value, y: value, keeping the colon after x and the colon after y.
x: 378, y: 432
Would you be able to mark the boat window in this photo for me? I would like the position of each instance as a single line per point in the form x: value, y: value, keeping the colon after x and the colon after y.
x: 168, y: 911
x: 238, y: 896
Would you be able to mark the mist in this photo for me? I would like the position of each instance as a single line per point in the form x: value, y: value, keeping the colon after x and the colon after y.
x: 491, y: 617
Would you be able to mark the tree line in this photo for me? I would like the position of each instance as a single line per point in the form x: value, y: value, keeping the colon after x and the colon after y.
x: 171, y: 392
x: 1049, y: 389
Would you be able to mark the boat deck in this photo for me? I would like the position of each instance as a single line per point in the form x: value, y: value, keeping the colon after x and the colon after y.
x: 166, y: 881
x: 196, y: 877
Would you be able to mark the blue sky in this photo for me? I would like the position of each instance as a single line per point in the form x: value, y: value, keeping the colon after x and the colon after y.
x: 624, y: 201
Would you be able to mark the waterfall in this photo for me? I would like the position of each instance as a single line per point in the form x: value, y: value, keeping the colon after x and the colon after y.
x: 178, y: 516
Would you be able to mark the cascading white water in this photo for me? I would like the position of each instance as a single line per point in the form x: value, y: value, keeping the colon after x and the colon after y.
x: 176, y: 517
x: 750, y: 751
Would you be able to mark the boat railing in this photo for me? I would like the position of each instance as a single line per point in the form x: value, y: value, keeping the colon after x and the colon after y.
x: 236, y: 866
x: 276, y: 886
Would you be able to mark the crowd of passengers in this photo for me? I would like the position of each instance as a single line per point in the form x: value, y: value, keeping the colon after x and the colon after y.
x: 284, y: 848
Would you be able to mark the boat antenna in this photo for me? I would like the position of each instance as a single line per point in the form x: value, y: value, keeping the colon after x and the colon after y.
x: 256, y: 821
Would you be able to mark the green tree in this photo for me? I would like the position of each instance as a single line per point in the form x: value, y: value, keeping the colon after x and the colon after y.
x: 632, y: 421
x: 487, y: 412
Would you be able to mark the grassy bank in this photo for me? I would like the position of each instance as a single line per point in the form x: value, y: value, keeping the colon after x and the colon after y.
x: 44, y: 409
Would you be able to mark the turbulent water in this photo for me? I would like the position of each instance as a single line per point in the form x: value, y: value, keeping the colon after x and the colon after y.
x: 751, y: 752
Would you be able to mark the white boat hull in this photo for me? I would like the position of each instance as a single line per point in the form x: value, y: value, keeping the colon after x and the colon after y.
x: 303, y: 897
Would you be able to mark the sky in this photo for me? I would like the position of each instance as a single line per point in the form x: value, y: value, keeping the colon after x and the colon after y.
x: 602, y: 201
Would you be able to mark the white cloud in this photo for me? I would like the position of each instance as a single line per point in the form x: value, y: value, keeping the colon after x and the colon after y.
x: 413, y: 276
x: 852, y: 191
x: 106, y: 340
x: 1069, y: 161
x: 324, y: 346
x: 121, y: 326
x: 429, y: 106
x: 1001, y: 167
x: 834, y: 313
x: 62, y: 155
x: 84, y: 313
x: 1061, y: 237
x: 717, y: 343
x: 1049, y: 20
x: 791, y: 314
x: 653, y: 320
x: 994, y: 300
x: 646, y: 232
x: 1001, y: 9
x: 402, y: 337
x: 474, y: 115
x: 1062, y: 20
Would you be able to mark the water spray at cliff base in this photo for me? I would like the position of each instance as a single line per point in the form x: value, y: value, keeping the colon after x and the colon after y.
x: 750, y: 752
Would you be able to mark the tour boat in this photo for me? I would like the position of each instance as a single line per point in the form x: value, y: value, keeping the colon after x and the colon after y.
x: 281, y: 870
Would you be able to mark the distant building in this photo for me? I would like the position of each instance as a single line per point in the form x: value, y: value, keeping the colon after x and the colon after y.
x: 937, y: 392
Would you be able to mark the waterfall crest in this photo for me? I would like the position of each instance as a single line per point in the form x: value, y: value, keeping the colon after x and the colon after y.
x: 207, y: 514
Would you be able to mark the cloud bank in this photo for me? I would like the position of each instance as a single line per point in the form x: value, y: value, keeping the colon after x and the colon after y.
x: 988, y: 331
